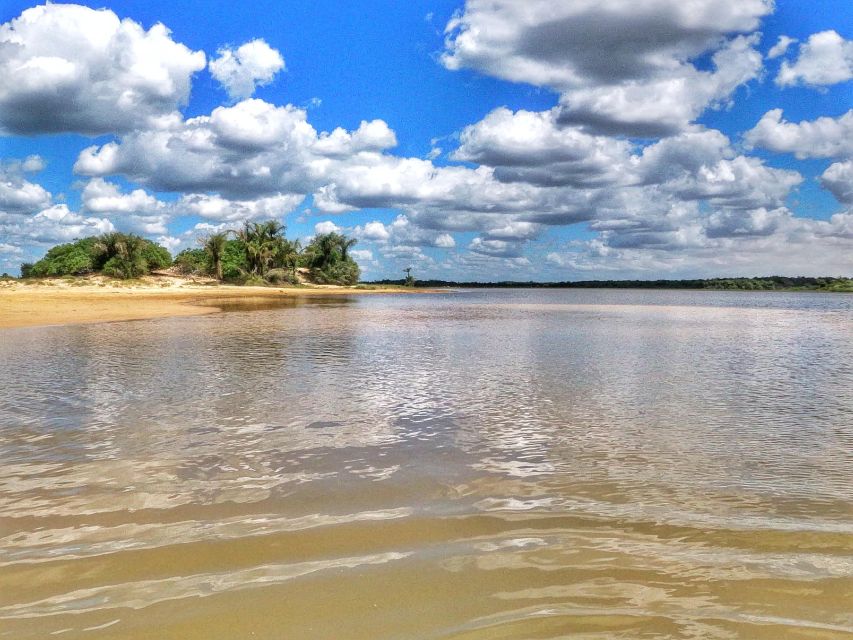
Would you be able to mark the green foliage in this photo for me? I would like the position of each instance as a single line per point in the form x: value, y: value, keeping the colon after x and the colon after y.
x: 129, y: 256
x: 343, y: 273
x: 115, y: 254
x: 125, y: 268
x: 192, y: 261
x: 156, y: 256
x: 27, y: 270
x: 65, y: 259
x: 214, y: 247
x: 410, y: 279
x: 280, y: 276
x: 328, y: 258
x: 234, y: 263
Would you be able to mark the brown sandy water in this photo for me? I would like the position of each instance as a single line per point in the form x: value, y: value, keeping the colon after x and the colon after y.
x: 498, y: 464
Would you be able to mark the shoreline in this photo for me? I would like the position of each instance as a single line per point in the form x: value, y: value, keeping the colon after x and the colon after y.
x: 67, y: 303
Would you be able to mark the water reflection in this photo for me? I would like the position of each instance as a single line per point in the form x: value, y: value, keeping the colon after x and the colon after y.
x: 482, y: 464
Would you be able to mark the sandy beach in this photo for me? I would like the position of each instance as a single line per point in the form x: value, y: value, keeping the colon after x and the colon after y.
x: 75, y: 301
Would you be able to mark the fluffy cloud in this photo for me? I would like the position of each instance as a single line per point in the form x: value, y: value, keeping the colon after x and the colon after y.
x: 620, y: 67
x: 663, y: 106
x: 136, y: 211
x: 54, y: 224
x: 100, y: 196
x: 821, y: 138
x: 825, y: 58
x: 402, y: 232
x: 215, y: 207
x: 18, y: 195
x: 248, y: 150
x: 531, y: 147
x: 327, y: 226
x: 71, y: 68
x: 838, y: 179
x: 244, y: 69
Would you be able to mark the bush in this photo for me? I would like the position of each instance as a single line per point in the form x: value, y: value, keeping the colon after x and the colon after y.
x: 192, y: 261
x: 155, y: 256
x: 234, y: 263
x: 280, y: 276
x: 116, y: 254
x: 65, y: 259
x: 343, y: 273
x: 125, y: 267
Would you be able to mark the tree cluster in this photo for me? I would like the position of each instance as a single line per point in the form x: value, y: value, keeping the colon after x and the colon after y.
x: 259, y: 252
x: 118, y: 255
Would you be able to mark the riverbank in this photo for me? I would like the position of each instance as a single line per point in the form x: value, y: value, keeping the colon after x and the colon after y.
x: 96, y: 299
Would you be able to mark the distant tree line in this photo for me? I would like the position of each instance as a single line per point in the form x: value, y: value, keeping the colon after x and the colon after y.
x: 768, y: 283
x: 257, y: 253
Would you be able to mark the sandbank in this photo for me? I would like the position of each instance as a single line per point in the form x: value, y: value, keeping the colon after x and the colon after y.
x: 83, y: 301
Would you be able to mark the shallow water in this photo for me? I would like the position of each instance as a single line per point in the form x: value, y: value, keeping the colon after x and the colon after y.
x: 488, y: 464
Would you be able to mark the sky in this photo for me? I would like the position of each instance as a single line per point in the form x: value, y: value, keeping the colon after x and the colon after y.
x: 478, y: 140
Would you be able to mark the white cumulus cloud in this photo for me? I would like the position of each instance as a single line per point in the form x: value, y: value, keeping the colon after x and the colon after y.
x: 824, y: 59
x: 68, y: 68
x: 242, y: 70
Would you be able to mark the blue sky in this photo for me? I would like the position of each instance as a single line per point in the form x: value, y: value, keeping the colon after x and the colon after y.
x: 536, y: 140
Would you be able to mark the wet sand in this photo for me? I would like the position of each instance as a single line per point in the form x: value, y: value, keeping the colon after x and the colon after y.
x: 65, y: 302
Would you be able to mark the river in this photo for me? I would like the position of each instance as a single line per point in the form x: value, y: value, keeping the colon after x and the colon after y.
x: 487, y: 464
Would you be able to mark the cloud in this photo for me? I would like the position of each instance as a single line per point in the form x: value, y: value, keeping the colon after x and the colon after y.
x: 838, y: 179
x: 240, y: 71
x: 663, y: 106
x: 18, y: 195
x: 327, y: 226
x: 100, y: 196
x: 362, y: 255
x: 402, y: 232
x: 68, y: 68
x: 824, y: 59
x: 51, y: 225
x: 444, y: 241
x: 243, y: 151
x: 532, y: 147
x: 496, y: 248
x: 217, y: 208
x: 136, y: 211
x: 790, y: 246
x: 620, y: 67
x: 781, y: 47
x: 821, y: 138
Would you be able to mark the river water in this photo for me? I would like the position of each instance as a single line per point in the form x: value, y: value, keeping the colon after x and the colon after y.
x: 489, y: 464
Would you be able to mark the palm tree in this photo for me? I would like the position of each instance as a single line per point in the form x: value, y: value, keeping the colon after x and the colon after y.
x: 345, y: 244
x: 264, y: 242
x: 327, y: 248
x: 214, y: 245
x: 122, y: 254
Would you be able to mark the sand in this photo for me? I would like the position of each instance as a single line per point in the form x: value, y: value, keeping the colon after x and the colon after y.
x: 83, y: 301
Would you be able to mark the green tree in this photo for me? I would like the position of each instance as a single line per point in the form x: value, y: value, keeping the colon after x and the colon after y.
x: 125, y: 255
x: 214, y: 246
x: 328, y: 257
x: 264, y: 244
x: 192, y: 261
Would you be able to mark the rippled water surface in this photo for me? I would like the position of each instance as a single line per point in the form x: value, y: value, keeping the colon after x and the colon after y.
x: 491, y: 464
